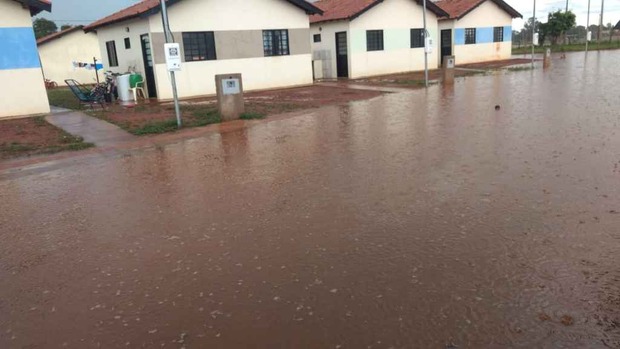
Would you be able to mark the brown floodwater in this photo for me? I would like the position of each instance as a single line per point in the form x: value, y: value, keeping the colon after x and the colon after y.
x: 421, y: 219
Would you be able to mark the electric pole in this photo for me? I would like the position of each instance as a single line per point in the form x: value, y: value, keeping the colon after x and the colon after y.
x: 588, y: 35
x: 600, y: 23
x: 173, y: 81
x: 425, y: 46
x: 533, y: 32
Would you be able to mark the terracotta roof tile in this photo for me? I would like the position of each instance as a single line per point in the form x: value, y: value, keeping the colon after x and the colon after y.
x: 457, y: 9
x: 334, y: 10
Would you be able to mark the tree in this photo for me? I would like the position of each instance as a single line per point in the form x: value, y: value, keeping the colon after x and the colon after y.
x: 526, y: 32
x: 65, y: 26
x: 558, y: 23
x: 43, y: 27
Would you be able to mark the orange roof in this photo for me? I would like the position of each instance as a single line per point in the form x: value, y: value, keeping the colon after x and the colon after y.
x: 149, y: 7
x: 457, y: 9
x: 335, y: 10
x: 58, y: 35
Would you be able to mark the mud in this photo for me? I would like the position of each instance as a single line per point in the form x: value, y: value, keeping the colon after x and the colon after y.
x: 422, y: 219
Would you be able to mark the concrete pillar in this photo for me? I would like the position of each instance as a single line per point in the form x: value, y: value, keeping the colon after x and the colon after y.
x: 448, y: 69
x: 230, y: 102
x: 547, y: 58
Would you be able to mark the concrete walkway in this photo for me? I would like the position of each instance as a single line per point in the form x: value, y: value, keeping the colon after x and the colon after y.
x: 93, y: 130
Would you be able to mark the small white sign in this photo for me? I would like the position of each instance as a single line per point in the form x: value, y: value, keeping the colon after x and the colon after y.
x: 450, y: 62
x: 173, y: 56
x: 231, y: 86
x: 428, y: 45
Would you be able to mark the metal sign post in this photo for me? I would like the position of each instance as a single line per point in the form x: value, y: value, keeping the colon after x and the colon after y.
x: 164, y: 18
x: 425, y: 44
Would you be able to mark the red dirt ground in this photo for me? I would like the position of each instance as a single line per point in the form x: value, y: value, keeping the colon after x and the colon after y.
x: 263, y: 103
x: 30, y: 136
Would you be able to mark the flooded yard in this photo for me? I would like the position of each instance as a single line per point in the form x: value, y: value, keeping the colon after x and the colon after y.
x: 482, y: 215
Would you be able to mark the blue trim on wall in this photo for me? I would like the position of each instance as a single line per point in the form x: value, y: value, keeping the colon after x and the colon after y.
x: 507, y: 33
x: 459, y: 36
x: 484, y: 35
x: 18, y: 49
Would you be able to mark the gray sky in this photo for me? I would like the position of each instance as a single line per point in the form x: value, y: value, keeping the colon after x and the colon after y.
x: 87, y: 11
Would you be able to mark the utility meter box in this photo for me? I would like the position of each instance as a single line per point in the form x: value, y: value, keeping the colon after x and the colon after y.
x: 428, y: 46
x: 589, y: 36
x: 173, y: 56
x: 230, y: 102
x: 535, y: 39
x: 448, y: 69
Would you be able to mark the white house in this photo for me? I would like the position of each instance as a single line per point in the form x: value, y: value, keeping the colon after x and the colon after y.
x: 63, y: 53
x: 22, y: 89
x: 476, y: 30
x: 264, y: 40
x: 359, y: 38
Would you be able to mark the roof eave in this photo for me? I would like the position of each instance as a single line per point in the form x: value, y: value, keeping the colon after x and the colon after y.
x: 306, y: 6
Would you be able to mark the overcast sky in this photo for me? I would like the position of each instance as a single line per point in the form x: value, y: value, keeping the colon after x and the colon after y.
x: 87, y: 11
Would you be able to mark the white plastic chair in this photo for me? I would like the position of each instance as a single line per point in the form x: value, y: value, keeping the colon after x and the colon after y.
x: 139, y: 87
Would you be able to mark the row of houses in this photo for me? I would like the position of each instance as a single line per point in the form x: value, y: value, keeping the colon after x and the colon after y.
x: 275, y: 43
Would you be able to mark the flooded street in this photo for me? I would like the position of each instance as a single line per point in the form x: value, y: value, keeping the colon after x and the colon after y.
x: 421, y: 219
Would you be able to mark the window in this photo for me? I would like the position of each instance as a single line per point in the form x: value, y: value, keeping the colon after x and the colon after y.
x: 417, y: 38
x: 199, y: 46
x: 275, y: 43
x: 112, y: 58
x: 374, y: 40
x: 498, y: 34
x: 317, y: 37
x: 127, y: 44
x: 470, y: 36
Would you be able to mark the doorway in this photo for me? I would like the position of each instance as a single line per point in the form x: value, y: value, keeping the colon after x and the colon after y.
x: 446, y: 43
x: 342, y: 55
x: 149, y: 73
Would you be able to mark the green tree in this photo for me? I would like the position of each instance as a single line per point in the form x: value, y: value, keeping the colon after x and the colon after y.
x: 526, y: 32
x: 558, y: 23
x: 43, y: 27
x: 65, y: 26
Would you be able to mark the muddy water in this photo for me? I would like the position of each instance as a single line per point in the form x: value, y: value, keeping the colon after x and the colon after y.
x: 413, y: 220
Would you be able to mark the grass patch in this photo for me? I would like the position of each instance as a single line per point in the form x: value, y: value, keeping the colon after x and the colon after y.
x: 63, y: 97
x: 593, y: 46
x: 251, y: 116
x: 153, y: 128
x: 519, y: 68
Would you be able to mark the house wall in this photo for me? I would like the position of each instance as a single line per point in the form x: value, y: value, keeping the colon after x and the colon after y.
x: 324, y: 52
x: 58, y: 55
x: 22, y: 91
x: 237, y: 27
x: 483, y: 18
x: 128, y: 59
x: 396, y: 18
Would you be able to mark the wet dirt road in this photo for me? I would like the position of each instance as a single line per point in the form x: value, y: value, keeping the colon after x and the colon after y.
x: 412, y: 220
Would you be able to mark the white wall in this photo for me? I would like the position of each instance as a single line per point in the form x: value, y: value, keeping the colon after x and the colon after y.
x: 198, y: 78
x: 487, y: 14
x: 128, y: 59
x: 396, y: 18
x: 57, y: 57
x: 325, y: 51
x: 22, y: 91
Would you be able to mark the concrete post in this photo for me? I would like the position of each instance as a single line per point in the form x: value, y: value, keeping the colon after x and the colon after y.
x: 230, y: 102
x: 547, y: 59
x: 448, y: 69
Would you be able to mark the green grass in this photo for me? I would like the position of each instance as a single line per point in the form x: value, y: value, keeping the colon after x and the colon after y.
x: 154, y: 128
x: 605, y: 45
x: 190, y: 115
x: 63, y: 97
x: 251, y: 116
x: 519, y: 68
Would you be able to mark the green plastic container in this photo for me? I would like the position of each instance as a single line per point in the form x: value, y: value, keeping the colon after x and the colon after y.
x: 134, y: 79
